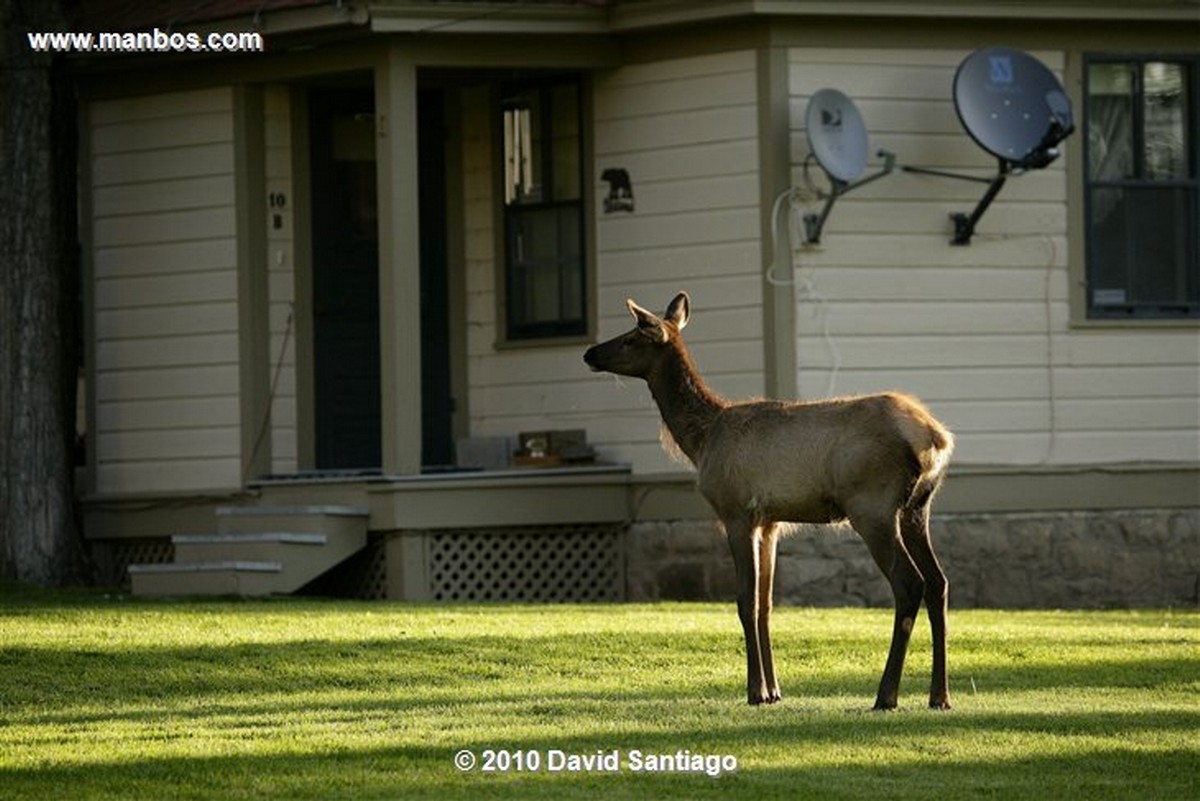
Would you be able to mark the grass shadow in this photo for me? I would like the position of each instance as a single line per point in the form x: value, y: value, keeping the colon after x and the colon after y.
x: 381, y: 716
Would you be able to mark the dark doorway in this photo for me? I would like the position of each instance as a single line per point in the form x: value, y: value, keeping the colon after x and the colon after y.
x: 345, y: 267
x: 345, y: 256
x: 437, y: 404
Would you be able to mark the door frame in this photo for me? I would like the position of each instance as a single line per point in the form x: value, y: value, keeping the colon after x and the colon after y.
x: 395, y: 81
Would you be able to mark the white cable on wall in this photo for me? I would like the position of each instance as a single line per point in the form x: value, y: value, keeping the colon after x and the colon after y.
x: 782, y: 258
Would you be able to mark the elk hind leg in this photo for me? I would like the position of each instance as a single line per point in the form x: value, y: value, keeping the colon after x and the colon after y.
x: 883, y: 540
x: 914, y: 529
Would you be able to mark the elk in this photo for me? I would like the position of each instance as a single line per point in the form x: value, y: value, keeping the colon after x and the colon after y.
x: 874, y: 461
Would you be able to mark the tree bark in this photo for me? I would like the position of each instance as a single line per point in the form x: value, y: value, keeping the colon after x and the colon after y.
x: 39, y: 542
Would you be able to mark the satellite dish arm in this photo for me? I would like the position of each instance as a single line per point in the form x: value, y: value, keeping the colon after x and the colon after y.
x: 889, y: 162
x: 964, y: 224
x: 943, y: 174
x: 813, y: 223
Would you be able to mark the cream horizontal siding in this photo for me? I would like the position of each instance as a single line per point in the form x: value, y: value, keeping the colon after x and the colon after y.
x: 203, y: 284
x: 202, y: 442
x: 158, y: 414
x: 479, y: 248
x: 281, y: 290
x: 165, y: 293
x: 166, y: 351
x: 686, y: 130
x: 160, y: 260
x: 150, y: 321
x: 185, y: 161
x: 981, y: 332
x: 203, y: 192
x: 164, y: 226
x: 168, y: 383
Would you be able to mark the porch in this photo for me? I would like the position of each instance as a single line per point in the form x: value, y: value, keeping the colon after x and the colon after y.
x: 1050, y: 537
x: 547, y: 534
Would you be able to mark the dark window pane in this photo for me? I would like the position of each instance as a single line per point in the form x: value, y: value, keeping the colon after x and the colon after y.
x: 1143, y: 247
x: 1165, y: 112
x: 545, y: 293
x: 542, y: 156
x: 523, y: 165
x: 566, y: 151
x: 1143, y: 197
x: 1109, y: 253
x: 1110, y: 122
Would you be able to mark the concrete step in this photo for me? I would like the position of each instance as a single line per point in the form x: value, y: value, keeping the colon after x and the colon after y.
x: 255, y: 546
x: 206, y: 578
x: 257, y: 550
x: 312, y: 519
x: 289, y: 537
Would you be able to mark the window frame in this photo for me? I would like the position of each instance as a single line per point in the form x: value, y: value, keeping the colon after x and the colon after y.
x: 511, y: 333
x: 1134, y: 311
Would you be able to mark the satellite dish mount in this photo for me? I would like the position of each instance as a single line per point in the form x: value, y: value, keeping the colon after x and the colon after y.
x: 837, y: 138
x: 1014, y: 108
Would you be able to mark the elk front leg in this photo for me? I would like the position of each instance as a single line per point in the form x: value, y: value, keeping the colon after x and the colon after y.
x: 743, y: 544
x: 766, y: 584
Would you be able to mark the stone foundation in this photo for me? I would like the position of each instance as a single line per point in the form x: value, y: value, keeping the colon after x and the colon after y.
x: 1067, y: 560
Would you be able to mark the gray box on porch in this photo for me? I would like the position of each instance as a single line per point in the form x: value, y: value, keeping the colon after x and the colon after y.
x: 484, y: 453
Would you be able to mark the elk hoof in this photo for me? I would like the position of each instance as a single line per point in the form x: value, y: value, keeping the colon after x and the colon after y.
x: 758, y: 699
x: 939, y: 703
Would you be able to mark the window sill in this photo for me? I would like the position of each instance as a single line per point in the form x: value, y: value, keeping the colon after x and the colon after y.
x: 544, y: 342
x: 1148, y: 323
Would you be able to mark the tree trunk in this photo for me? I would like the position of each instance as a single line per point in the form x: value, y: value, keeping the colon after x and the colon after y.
x: 38, y: 294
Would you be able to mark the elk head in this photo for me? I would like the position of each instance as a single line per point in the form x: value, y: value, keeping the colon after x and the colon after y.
x: 637, y: 352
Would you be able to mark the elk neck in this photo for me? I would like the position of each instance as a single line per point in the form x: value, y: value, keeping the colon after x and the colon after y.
x: 687, y: 405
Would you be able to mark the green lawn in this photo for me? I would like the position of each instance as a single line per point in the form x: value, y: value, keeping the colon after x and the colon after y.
x: 107, y: 697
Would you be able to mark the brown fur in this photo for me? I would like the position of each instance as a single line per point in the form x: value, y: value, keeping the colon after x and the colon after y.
x: 875, y: 460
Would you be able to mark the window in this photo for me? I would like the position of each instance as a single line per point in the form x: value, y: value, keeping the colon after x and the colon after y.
x: 544, y: 267
x: 1143, y: 203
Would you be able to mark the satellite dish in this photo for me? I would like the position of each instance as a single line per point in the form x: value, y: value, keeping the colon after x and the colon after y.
x: 837, y: 136
x: 1012, y: 106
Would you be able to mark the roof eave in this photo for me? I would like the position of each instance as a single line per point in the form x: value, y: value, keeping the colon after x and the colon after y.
x: 288, y: 22
x: 627, y: 17
x: 473, y: 18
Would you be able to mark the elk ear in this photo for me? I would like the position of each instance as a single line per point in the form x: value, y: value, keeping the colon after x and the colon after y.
x: 647, y: 321
x: 680, y: 310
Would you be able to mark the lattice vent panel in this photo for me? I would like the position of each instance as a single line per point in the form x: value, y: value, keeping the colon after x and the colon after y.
x: 363, y: 575
x: 138, y: 552
x: 543, y: 563
x: 374, y: 582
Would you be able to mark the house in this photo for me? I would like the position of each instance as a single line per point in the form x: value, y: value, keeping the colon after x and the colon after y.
x: 317, y: 272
